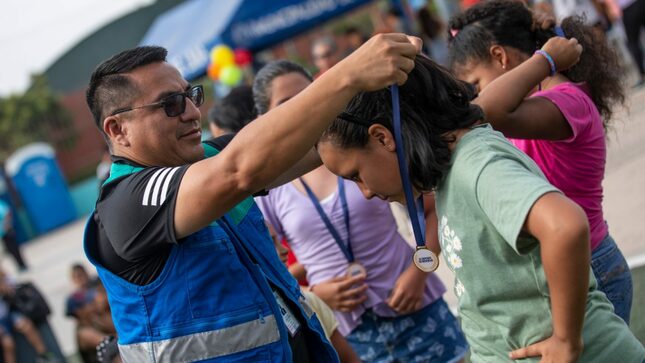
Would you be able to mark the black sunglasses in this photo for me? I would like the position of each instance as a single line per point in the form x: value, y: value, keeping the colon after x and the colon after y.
x: 175, y: 104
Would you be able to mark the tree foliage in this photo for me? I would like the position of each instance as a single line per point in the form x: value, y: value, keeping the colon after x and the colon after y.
x: 35, y: 115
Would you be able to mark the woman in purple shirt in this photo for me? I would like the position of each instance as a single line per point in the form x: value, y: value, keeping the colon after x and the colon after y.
x: 354, y: 258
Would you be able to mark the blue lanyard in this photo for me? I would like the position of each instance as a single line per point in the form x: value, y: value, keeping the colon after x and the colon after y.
x: 346, y: 248
x: 416, y: 212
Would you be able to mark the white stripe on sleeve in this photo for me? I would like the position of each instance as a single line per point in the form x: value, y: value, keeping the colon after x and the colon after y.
x: 151, y: 182
x: 157, y: 187
x: 164, y: 190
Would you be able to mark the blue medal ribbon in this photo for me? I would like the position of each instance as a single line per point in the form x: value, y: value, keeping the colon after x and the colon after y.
x: 415, y: 210
x: 346, y: 248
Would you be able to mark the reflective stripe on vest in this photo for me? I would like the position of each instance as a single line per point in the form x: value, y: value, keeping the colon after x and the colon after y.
x: 206, y: 345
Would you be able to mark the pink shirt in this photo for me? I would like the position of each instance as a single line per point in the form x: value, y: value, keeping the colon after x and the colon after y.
x: 576, y: 165
x: 375, y: 241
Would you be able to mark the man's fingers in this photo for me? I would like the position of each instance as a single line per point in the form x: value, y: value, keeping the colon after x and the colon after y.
x: 406, y: 64
x: 401, y: 77
x: 526, y: 352
x: 416, y: 41
x: 405, y: 45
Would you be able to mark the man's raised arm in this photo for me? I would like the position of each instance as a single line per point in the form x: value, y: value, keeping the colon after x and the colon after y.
x: 267, y: 147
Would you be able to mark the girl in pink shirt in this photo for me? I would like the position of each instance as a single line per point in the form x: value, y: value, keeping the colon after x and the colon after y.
x: 561, y: 124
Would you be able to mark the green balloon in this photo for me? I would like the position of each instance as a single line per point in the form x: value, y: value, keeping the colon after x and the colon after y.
x: 230, y: 75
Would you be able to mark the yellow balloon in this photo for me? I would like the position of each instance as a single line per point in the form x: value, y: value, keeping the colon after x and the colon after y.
x: 222, y: 55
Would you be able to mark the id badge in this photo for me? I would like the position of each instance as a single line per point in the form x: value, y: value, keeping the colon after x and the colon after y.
x: 290, y: 320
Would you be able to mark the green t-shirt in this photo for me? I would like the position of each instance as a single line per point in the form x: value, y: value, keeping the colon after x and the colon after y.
x: 504, y: 303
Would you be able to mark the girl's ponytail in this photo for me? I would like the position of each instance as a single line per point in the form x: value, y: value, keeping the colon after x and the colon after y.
x: 599, y: 67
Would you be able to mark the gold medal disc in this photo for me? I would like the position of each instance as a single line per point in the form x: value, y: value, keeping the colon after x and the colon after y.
x: 355, y: 269
x: 425, y: 260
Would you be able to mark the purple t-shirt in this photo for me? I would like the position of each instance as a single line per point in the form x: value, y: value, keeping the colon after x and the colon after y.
x: 375, y: 242
x: 576, y: 165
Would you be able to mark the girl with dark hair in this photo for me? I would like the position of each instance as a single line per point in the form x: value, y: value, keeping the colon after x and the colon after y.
x: 518, y: 247
x: 561, y: 126
x: 355, y: 260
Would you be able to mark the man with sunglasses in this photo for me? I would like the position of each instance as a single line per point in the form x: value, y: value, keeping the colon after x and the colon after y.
x: 189, y: 267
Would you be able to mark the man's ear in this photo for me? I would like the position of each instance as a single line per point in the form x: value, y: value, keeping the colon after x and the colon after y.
x: 382, y: 136
x: 500, y: 56
x: 116, y: 130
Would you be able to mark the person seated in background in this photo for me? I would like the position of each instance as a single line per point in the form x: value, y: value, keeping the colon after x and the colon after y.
x: 95, y: 333
x: 12, y: 321
x: 107, y: 350
x: 79, y: 306
x: 233, y: 112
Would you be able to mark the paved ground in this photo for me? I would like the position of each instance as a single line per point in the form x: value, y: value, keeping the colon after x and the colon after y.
x: 50, y: 256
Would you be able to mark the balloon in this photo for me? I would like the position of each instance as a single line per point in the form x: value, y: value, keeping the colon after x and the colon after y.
x: 222, y: 55
x: 213, y: 71
x: 242, y: 57
x: 230, y: 75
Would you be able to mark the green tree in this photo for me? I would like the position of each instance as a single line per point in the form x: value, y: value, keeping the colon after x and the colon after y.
x: 35, y: 115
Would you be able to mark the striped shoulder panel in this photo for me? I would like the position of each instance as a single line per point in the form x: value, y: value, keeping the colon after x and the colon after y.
x: 157, y: 186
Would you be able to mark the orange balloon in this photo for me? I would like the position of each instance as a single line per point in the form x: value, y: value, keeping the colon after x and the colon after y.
x: 213, y: 71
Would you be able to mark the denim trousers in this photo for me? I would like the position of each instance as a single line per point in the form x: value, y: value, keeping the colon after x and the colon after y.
x: 431, y: 334
x: 613, y: 276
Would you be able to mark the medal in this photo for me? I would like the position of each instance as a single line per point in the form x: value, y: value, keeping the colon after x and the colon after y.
x: 423, y: 258
x: 354, y: 269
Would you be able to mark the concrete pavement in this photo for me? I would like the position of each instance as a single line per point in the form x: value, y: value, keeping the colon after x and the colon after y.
x: 50, y: 256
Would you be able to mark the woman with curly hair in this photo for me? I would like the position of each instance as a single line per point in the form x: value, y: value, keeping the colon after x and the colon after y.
x: 559, y: 121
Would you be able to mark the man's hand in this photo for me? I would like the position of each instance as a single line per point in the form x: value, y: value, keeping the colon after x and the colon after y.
x: 407, y: 295
x: 552, y: 350
x: 342, y: 293
x: 383, y: 60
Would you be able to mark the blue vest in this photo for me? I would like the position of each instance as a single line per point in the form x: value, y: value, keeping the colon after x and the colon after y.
x: 212, y: 302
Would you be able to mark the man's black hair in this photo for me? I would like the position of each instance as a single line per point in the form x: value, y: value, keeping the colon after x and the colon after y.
x: 110, y: 89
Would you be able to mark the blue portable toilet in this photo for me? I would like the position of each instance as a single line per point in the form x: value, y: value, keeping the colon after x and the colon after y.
x: 20, y: 223
x: 42, y: 188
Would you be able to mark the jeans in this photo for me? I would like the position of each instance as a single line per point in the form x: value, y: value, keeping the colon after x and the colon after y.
x: 431, y: 334
x: 613, y: 276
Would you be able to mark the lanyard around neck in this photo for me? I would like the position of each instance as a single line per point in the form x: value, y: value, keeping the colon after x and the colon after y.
x: 346, y: 248
x: 415, y: 211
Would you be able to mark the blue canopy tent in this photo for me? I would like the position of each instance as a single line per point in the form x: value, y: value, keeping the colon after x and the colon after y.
x: 191, y: 29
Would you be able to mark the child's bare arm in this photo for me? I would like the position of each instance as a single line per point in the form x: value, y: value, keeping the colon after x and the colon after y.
x: 561, y: 227
x: 432, y: 236
x: 504, y: 100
